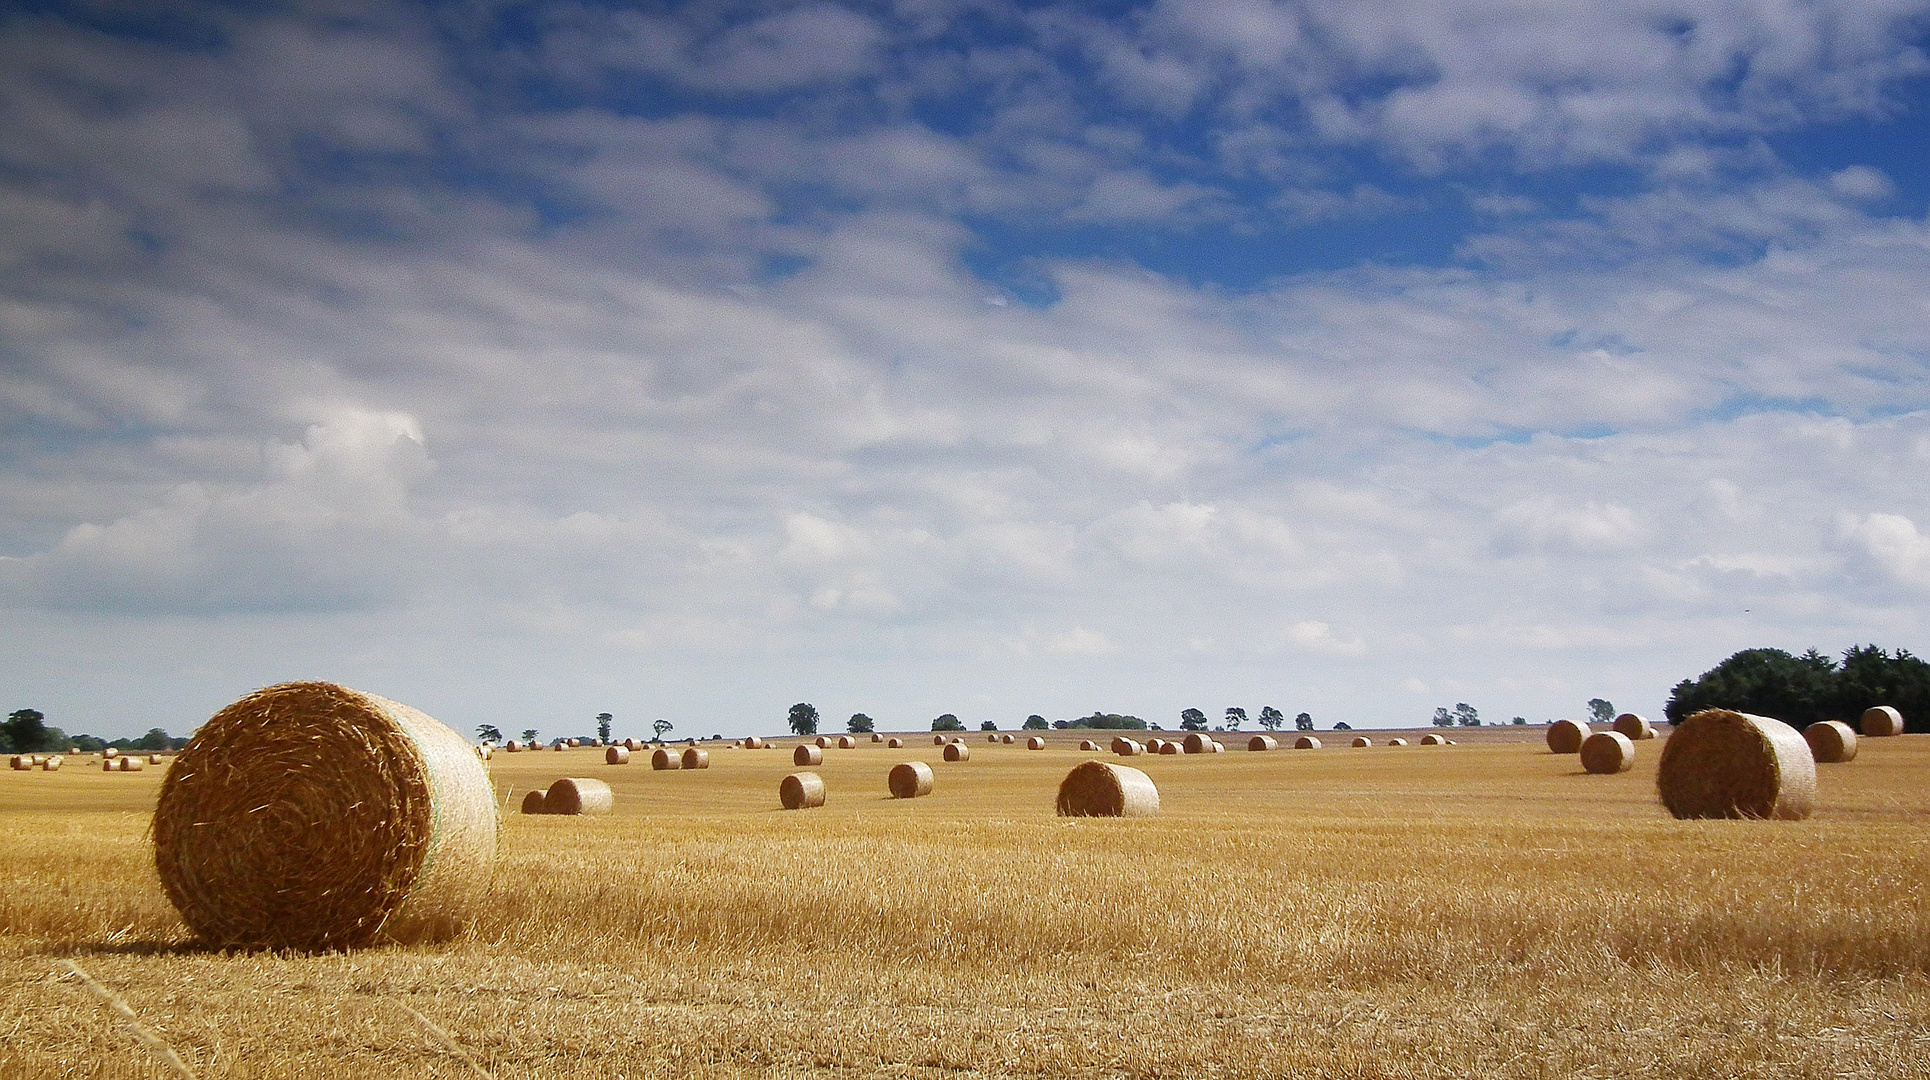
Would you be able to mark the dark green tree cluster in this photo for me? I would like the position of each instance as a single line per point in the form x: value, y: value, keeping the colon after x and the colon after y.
x: 1800, y: 690
x: 803, y: 719
x: 1109, y: 721
x: 1195, y: 720
x: 860, y: 724
x: 948, y: 722
x: 1035, y: 722
x: 26, y: 731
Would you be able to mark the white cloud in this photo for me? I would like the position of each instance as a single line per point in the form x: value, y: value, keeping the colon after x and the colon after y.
x: 1893, y: 543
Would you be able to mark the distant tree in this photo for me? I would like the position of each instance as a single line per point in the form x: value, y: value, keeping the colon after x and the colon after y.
x: 1302, y: 722
x: 1236, y: 715
x: 1519, y: 721
x: 1798, y: 690
x: 1601, y: 711
x: 804, y: 719
x: 1112, y: 721
x: 860, y: 724
x: 25, y: 731
x: 1869, y: 676
x: 155, y: 739
x: 529, y: 736
x: 988, y: 726
x: 1466, y: 716
x: 1035, y: 722
x: 661, y: 726
x: 1192, y: 720
x: 948, y: 722
x: 1343, y: 726
x: 1270, y: 718
x: 1062, y: 724
x: 603, y: 721
x: 1443, y: 718
x: 489, y: 733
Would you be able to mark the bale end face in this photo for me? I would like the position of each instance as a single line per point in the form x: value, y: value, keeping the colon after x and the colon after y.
x: 1196, y: 743
x: 1088, y: 744
x: 1608, y: 752
x: 664, y: 759
x: 910, y: 779
x: 693, y: 758
x: 957, y: 752
x: 533, y: 803
x: 1881, y: 722
x: 806, y: 754
x: 894, y: 743
x: 1102, y: 789
x: 1260, y: 743
x: 1725, y: 764
x: 616, y: 755
x: 1035, y: 743
x: 1565, y: 736
x: 1431, y: 739
x: 1831, y: 742
x: 847, y: 742
x: 1635, y: 726
x: 1397, y: 742
x: 800, y: 791
x: 1362, y: 740
x: 1306, y: 742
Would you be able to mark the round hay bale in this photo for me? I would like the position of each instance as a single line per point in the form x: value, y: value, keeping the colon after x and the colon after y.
x: 664, y: 759
x: 909, y: 779
x: 801, y: 790
x: 894, y: 743
x: 1154, y: 746
x: 616, y: 755
x: 1035, y: 743
x: 111, y: 752
x: 806, y: 754
x: 1306, y: 742
x: 959, y: 739
x: 696, y: 758
x: 1170, y: 748
x: 1397, y: 742
x: 1608, y: 752
x: 1881, y: 722
x: 1635, y: 726
x: 573, y: 743
x: 753, y: 743
x: 1088, y: 744
x: 1259, y: 743
x: 1125, y: 747
x: 107, y: 764
x: 533, y: 803
x: 559, y: 746
x: 20, y: 762
x: 131, y: 764
x: 1565, y: 736
x: 1102, y: 789
x: 875, y: 737
x: 824, y: 742
x: 1007, y: 739
x: 993, y: 738
x: 632, y: 745
x: 1831, y: 742
x: 938, y: 740
x: 1218, y: 747
x: 512, y: 747
x: 578, y: 795
x: 1725, y: 764
x: 52, y: 764
x: 1196, y: 743
x: 846, y: 742
x: 1362, y: 740
x: 957, y: 751
x: 1431, y: 739
x: 380, y: 823
x: 154, y: 759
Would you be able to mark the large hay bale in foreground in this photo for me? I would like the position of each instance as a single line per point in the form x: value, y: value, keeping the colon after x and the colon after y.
x: 1881, y: 722
x: 312, y: 816
x: 578, y: 795
x: 695, y: 758
x: 1565, y: 736
x: 1608, y: 752
x: 533, y: 803
x: 1725, y: 764
x: 1102, y: 789
x: 664, y: 759
x: 801, y: 790
x: 909, y: 779
x: 1362, y: 740
x: 1306, y: 742
x: 806, y: 754
x: 957, y: 751
x: 616, y: 755
x: 1635, y: 726
x: 1260, y: 743
x: 1831, y: 742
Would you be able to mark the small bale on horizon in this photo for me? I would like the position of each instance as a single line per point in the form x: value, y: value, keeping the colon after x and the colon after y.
x: 1088, y: 744
x: 1035, y: 743
x: 957, y: 751
x: 753, y: 743
x: 1362, y: 740
x: 1126, y: 747
x: 1261, y: 743
x: 824, y: 742
x: 1007, y: 739
x: 1431, y: 739
x: 1831, y: 742
x: 800, y: 791
x: 847, y: 742
x: 1102, y: 789
x: 910, y: 779
x: 1307, y: 742
x: 1608, y: 752
x: 876, y: 737
x: 1725, y: 764
x: 1397, y: 742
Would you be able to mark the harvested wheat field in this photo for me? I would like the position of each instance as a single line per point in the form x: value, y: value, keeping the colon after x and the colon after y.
x: 1493, y: 912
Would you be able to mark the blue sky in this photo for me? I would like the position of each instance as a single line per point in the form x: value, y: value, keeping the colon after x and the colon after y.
x: 527, y: 361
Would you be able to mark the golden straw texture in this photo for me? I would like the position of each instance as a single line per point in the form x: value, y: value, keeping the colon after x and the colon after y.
x: 1259, y: 743
x: 578, y: 795
x: 1397, y: 742
x: 1881, y: 722
x: 1102, y: 789
x: 1088, y: 744
x: 696, y: 759
x: 664, y: 758
x: 1831, y: 742
x: 909, y: 779
x: 1125, y: 747
x: 1635, y: 726
x: 616, y: 755
x: 1608, y: 752
x: 807, y: 754
x: 1565, y: 736
x: 1431, y: 739
x: 1196, y: 743
x: 312, y: 816
x: 956, y: 751
x: 799, y: 791
x: 1724, y: 764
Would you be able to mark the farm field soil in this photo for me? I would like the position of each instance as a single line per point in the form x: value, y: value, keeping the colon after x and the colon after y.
x: 1476, y: 910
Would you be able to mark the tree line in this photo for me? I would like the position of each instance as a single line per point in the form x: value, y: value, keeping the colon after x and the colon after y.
x: 1801, y: 690
x: 26, y: 731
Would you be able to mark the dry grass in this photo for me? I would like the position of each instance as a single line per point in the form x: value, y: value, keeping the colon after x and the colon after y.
x: 1349, y: 915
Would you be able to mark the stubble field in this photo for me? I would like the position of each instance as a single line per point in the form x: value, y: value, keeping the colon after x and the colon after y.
x: 1476, y: 910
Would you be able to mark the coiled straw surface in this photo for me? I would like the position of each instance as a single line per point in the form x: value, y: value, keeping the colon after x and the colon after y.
x: 663, y: 758
x: 957, y: 751
x: 1635, y: 726
x: 1881, y: 721
x: 1260, y: 743
x: 1724, y: 764
x: 1608, y: 752
x: 616, y: 755
x: 1102, y: 789
x: 313, y: 816
x: 1830, y: 742
x: 909, y: 779
x: 801, y: 790
x: 807, y: 754
x: 696, y: 759
x: 1565, y: 736
x: 578, y: 795
x: 1306, y: 742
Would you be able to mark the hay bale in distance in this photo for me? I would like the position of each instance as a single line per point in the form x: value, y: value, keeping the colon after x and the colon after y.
x: 1218, y: 747
x: 1881, y: 722
x: 1088, y: 744
x: 894, y: 743
x: 1431, y: 739
x: 616, y: 755
x: 1565, y: 736
x: 1035, y: 743
x: 52, y: 764
x: 1007, y: 739
x: 938, y: 740
x: 1397, y: 742
x: 384, y: 825
x: 20, y: 762
x: 993, y: 738
x: 696, y: 758
x: 806, y: 754
x: 559, y: 746
x: 1154, y: 746
x: 533, y: 803
x: 513, y: 746
x: 578, y: 795
x: 111, y: 752
x: 909, y: 780
x: 1608, y: 752
x: 1307, y: 742
x: 1102, y: 789
x: 875, y: 737
x: 1125, y: 747
x: 824, y: 742
x: 131, y: 764
x: 1260, y: 743
x: 1635, y: 726
x: 664, y: 759
x: 1724, y: 764
x: 801, y: 790
x: 1196, y: 743
x: 154, y: 759
x: 846, y: 742
x: 957, y: 751
x: 1172, y: 748
x: 1831, y: 742
x: 753, y: 743
x: 107, y: 764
